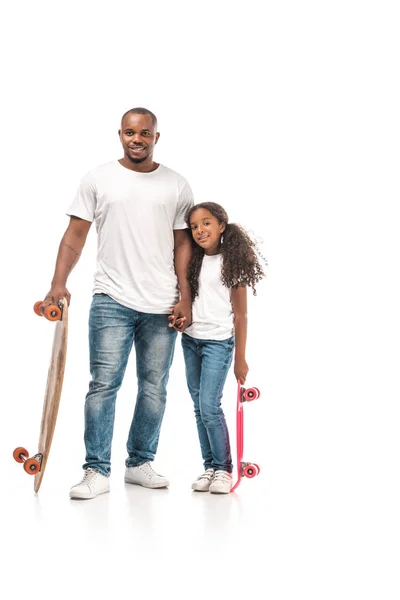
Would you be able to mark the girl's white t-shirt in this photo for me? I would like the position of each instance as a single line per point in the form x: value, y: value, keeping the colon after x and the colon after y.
x: 212, y: 315
x: 135, y: 216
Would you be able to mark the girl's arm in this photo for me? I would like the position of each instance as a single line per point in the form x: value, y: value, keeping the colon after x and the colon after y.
x: 181, y: 313
x: 239, y: 306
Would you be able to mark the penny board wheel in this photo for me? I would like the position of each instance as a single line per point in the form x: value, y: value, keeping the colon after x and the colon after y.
x: 32, y: 466
x: 250, y: 471
x: 251, y: 394
x: 17, y: 454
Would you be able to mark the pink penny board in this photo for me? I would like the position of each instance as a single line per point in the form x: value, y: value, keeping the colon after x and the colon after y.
x: 244, y: 469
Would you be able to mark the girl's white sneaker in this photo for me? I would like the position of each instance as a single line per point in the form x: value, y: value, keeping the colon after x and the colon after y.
x: 203, y: 482
x: 221, y: 483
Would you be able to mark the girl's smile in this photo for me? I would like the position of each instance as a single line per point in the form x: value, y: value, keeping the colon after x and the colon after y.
x: 206, y: 230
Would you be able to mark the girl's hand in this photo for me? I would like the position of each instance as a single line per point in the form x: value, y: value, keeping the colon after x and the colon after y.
x: 176, y: 323
x: 241, y: 369
x: 181, y: 315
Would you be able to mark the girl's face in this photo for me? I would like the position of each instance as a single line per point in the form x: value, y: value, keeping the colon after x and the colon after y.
x: 206, y: 230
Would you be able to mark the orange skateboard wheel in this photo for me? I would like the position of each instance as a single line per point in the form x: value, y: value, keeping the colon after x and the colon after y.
x: 52, y: 313
x: 18, y: 452
x: 250, y: 471
x: 36, y: 308
x: 32, y: 466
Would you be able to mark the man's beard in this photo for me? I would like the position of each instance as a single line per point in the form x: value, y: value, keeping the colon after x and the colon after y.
x: 137, y: 161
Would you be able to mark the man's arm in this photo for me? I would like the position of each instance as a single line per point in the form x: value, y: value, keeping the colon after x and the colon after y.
x: 183, y: 309
x: 68, y: 255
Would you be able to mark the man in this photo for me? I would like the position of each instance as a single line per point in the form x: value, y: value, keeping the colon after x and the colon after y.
x: 139, y: 207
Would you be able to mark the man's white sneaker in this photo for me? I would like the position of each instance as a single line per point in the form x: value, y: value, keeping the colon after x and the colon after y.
x: 146, y: 476
x: 92, y: 484
x: 221, y: 483
x: 203, y: 482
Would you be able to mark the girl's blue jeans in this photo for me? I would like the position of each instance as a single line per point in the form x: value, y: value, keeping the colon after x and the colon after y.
x: 113, y: 330
x: 207, y: 364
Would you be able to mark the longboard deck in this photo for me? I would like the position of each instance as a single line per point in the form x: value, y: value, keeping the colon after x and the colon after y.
x: 53, y: 391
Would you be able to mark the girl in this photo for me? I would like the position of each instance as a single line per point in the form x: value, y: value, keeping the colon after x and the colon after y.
x: 225, y: 261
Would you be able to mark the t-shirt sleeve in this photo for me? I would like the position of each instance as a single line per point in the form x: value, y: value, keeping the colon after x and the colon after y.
x: 185, y: 202
x: 84, y: 204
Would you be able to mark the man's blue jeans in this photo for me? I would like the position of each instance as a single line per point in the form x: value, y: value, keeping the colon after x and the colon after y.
x: 207, y: 364
x: 113, y: 329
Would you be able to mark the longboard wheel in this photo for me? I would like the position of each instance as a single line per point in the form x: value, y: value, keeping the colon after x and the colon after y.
x: 32, y: 466
x: 52, y: 313
x: 250, y: 471
x: 36, y: 308
x: 18, y: 452
x: 251, y: 394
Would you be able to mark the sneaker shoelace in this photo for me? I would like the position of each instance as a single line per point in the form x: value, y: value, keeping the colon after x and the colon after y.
x: 209, y: 474
x: 148, y: 470
x: 223, y: 476
x: 89, y: 477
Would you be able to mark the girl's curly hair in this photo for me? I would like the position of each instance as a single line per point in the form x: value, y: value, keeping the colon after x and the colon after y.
x: 241, y: 258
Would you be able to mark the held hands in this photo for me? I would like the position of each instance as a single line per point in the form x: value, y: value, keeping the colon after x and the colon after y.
x: 181, y: 315
x: 54, y: 296
x: 241, y: 369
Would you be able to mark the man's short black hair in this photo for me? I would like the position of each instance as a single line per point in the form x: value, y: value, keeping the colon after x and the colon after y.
x: 141, y: 111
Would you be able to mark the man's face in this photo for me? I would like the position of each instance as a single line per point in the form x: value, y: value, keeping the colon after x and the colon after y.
x: 138, y: 137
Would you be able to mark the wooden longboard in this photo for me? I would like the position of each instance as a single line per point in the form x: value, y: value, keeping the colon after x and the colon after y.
x: 244, y: 469
x: 52, y: 396
x: 37, y: 464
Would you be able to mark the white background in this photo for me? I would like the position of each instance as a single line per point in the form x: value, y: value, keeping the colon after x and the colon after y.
x: 287, y: 113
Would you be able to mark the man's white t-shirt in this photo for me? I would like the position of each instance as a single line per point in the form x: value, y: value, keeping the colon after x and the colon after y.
x: 212, y: 314
x: 135, y: 216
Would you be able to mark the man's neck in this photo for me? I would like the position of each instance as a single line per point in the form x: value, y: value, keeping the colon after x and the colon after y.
x: 147, y: 166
